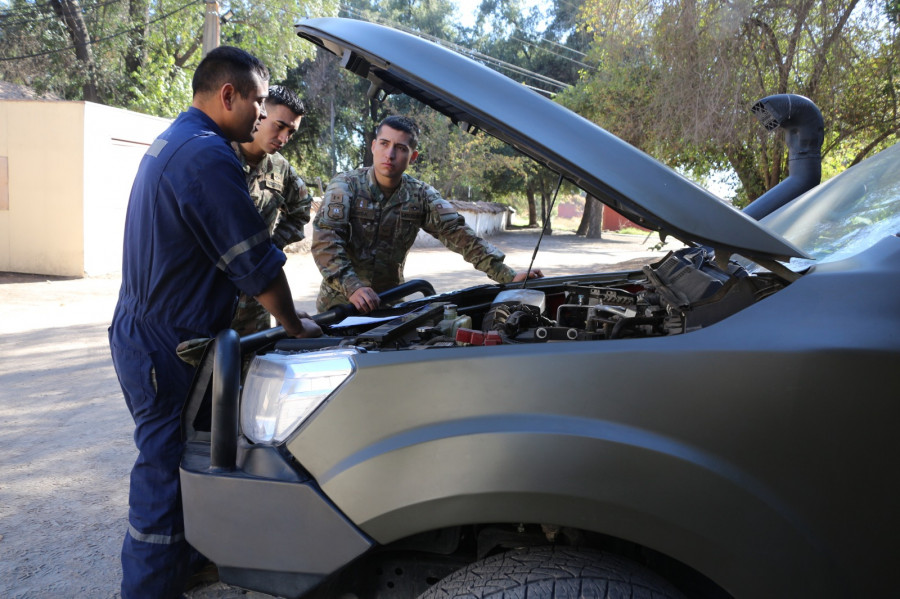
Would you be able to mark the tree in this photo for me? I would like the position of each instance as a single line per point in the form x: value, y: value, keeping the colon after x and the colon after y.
x: 592, y: 222
x: 542, y: 50
x: 31, y: 34
x: 676, y: 78
x: 69, y: 12
x: 339, y: 128
x: 139, y: 54
x: 328, y: 140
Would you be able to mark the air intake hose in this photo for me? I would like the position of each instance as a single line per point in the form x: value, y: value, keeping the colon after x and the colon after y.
x: 804, y: 133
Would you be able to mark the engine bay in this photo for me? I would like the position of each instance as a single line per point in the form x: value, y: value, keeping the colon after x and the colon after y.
x: 682, y: 292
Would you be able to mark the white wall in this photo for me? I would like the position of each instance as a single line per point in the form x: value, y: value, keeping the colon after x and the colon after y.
x: 115, y: 140
x: 484, y: 224
x: 41, y: 227
x: 70, y: 166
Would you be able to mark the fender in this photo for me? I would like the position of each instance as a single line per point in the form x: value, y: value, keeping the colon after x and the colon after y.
x: 671, y: 460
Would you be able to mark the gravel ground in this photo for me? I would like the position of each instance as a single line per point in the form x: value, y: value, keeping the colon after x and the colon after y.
x: 65, y: 444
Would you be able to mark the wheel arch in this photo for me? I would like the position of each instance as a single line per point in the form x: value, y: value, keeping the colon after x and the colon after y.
x: 640, y: 490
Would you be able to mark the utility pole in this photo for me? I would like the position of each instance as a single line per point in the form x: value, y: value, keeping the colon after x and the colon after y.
x: 211, y: 26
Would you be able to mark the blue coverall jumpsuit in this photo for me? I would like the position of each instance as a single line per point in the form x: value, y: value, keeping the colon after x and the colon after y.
x: 192, y: 239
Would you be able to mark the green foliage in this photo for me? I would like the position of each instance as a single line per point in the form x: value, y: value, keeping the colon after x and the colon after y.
x: 632, y: 231
x: 143, y: 51
x: 326, y: 142
x: 161, y: 88
x: 677, y: 77
x: 463, y: 166
x: 30, y: 38
x: 265, y: 28
x: 673, y: 77
x: 892, y: 9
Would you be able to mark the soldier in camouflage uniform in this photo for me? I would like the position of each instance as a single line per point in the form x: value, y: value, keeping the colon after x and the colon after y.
x: 369, y: 220
x: 280, y: 195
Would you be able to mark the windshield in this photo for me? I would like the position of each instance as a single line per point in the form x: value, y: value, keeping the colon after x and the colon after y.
x: 845, y: 215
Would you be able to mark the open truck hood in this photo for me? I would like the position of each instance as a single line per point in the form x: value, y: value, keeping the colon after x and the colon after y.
x: 478, y: 98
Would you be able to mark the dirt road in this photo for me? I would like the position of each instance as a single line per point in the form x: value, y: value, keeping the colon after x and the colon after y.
x: 65, y: 443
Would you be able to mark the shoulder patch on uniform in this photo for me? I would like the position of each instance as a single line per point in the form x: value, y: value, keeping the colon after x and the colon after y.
x: 444, y: 207
x: 335, y: 211
x: 411, y: 211
x: 156, y: 147
x: 274, y: 181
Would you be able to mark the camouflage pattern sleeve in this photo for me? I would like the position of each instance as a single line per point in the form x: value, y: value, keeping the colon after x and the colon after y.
x: 445, y: 223
x: 294, y: 212
x: 331, y: 238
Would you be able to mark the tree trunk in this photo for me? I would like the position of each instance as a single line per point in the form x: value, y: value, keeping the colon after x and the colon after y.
x: 333, y: 152
x: 546, y: 224
x: 585, y: 216
x: 183, y: 58
x: 532, y: 209
x: 742, y: 162
x: 139, y: 13
x: 376, y: 115
x: 69, y: 11
x: 591, y: 225
x: 136, y: 53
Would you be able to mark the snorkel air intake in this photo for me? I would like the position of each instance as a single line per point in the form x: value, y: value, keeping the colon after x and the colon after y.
x: 804, y: 133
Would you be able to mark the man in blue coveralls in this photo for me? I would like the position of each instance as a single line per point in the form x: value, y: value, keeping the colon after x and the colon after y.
x: 193, y: 239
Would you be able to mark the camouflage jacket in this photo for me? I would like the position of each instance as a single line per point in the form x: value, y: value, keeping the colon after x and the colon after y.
x: 280, y: 195
x: 361, y: 238
x: 283, y: 200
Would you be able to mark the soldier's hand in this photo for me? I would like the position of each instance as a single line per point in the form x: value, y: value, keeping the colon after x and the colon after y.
x: 365, y: 300
x: 534, y: 274
x: 307, y: 328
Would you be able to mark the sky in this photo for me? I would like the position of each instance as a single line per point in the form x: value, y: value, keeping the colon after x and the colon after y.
x: 466, y: 10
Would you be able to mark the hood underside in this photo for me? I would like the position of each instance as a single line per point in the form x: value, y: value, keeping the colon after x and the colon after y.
x: 477, y: 98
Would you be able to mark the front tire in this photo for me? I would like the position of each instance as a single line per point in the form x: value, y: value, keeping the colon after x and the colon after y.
x: 553, y: 573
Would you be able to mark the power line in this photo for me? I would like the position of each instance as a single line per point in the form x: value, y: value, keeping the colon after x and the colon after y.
x: 102, y: 39
x: 474, y: 54
x: 508, y: 66
x: 566, y: 58
x: 490, y: 59
x: 485, y: 57
x: 33, y: 9
x: 553, y: 42
x: 563, y: 46
x: 33, y: 14
x: 575, y: 7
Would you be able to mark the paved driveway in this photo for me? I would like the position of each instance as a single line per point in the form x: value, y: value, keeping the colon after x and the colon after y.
x: 65, y: 440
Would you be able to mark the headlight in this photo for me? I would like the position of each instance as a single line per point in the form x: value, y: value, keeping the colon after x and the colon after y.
x: 282, y: 390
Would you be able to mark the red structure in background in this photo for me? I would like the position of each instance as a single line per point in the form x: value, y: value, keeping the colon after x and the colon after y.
x: 569, y: 210
x: 613, y: 221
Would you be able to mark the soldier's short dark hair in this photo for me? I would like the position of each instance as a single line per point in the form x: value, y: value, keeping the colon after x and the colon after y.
x: 401, y: 123
x: 279, y: 94
x: 227, y: 64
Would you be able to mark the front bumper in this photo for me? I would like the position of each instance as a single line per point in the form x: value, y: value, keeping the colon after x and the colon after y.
x: 260, y: 517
